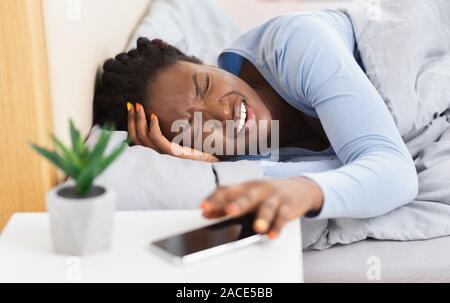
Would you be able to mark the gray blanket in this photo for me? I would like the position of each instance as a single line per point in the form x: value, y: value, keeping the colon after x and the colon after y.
x: 404, y: 46
x: 405, y: 49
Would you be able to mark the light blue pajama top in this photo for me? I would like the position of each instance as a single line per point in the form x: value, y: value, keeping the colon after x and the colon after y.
x: 311, y: 60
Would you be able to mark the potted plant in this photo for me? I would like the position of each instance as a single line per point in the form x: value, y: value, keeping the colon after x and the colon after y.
x: 81, y: 212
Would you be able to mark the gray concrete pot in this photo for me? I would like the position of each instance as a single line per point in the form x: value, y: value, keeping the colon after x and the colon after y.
x: 81, y: 225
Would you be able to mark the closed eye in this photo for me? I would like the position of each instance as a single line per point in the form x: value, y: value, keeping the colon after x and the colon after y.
x: 207, y: 85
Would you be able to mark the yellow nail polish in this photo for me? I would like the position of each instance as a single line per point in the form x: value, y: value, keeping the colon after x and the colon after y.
x: 261, y: 225
x: 138, y: 107
x: 129, y: 106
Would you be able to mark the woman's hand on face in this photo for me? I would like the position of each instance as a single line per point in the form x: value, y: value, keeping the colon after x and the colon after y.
x: 152, y: 137
x: 275, y: 202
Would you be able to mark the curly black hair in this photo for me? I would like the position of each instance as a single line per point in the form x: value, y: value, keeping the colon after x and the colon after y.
x: 126, y: 78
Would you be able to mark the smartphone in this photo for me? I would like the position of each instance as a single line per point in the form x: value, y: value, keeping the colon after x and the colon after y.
x: 209, y: 240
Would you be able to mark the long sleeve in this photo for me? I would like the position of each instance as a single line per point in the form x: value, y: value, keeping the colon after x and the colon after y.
x: 378, y: 174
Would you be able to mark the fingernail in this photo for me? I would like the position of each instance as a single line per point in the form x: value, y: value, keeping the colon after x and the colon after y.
x: 231, y: 209
x: 204, y: 204
x: 138, y: 107
x: 129, y: 106
x: 272, y: 235
x: 261, y: 225
x: 152, y: 116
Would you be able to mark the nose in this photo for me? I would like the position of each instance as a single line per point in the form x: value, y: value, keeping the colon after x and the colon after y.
x: 220, y: 109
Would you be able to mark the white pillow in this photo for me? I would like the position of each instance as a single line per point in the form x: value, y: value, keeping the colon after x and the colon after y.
x: 144, y: 179
x: 197, y: 27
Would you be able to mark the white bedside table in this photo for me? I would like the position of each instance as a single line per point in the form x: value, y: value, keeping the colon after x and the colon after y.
x: 26, y: 254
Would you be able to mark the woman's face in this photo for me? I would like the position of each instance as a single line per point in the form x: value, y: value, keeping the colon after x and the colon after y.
x: 207, y: 97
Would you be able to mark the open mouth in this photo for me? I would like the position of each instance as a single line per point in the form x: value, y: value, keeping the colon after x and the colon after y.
x: 242, y: 116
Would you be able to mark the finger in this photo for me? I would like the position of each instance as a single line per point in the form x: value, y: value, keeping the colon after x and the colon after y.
x: 214, y: 204
x: 213, y: 159
x: 282, y: 217
x: 185, y: 152
x: 206, y: 157
x: 143, y: 133
x: 213, y: 213
x: 161, y: 143
x: 249, y: 200
x: 174, y: 149
x: 132, y: 134
x: 266, y: 214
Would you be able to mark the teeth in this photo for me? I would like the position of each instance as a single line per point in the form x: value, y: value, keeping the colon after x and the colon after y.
x: 243, y: 116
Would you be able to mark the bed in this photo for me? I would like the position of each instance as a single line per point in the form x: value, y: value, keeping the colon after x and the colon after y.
x: 81, y: 34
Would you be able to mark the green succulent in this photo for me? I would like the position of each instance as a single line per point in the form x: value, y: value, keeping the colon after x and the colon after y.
x: 79, y: 162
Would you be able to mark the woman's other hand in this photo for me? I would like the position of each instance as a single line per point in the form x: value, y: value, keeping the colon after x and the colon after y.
x: 152, y: 137
x: 275, y: 202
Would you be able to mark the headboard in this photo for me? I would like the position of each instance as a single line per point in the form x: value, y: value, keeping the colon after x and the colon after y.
x: 80, y: 35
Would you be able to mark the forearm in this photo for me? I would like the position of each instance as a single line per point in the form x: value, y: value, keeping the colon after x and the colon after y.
x: 371, y: 186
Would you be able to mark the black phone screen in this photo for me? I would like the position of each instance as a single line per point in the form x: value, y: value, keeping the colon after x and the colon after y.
x: 209, y: 236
